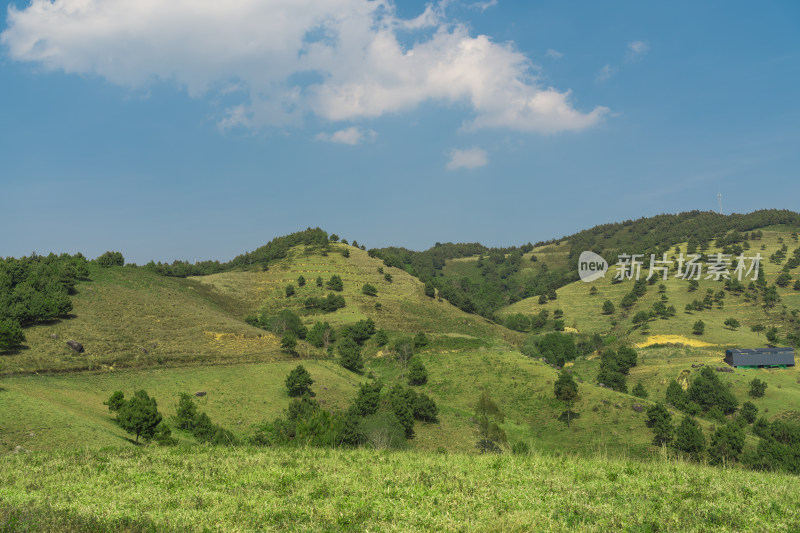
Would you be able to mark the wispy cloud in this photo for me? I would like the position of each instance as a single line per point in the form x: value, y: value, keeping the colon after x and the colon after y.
x: 483, y: 6
x: 339, y: 60
x: 636, y: 50
x: 351, y: 136
x: 606, y: 73
x: 553, y: 54
x: 470, y: 158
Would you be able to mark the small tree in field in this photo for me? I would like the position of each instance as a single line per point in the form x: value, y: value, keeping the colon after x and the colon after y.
x: 758, y: 388
x: 369, y: 290
x: 288, y: 343
x: 566, y: 390
x: 488, y: 415
x: 139, y: 416
x: 11, y: 335
x: 417, y: 373
x: 299, y: 382
x: 689, y: 438
x: 301, y: 281
x: 639, y: 391
x: 699, y: 327
x: 608, y: 307
x: 350, y: 355
x: 732, y: 323
x: 757, y: 328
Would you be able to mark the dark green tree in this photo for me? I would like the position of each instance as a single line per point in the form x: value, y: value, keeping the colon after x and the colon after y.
x: 430, y: 290
x: 566, y: 390
x: 115, y: 401
x: 699, y: 327
x: 139, y: 416
x: 757, y: 388
x: 749, y: 412
x: 321, y: 335
x: 676, y: 396
x: 350, y: 355
x: 417, y: 373
x: 732, y: 323
x: 369, y: 290
x: 185, y: 412
x: 301, y: 281
x: 288, y: 343
x: 335, y: 283
x: 660, y: 420
x: 110, y: 259
x: 289, y: 290
x: 11, y: 335
x: 689, y: 438
x: 726, y: 444
x: 772, y: 336
x: 299, y: 382
x: 707, y: 391
x: 420, y: 340
x: 381, y: 337
x: 639, y: 391
x: 319, y: 281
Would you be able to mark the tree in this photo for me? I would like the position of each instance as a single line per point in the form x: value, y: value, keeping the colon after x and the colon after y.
x: 772, y: 335
x: 289, y: 290
x: 566, y: 390
x: 757, y: 388
x: 639, y: 391
x: 110, y: 259
x: 660, y: 420
x: 757, y: 328
x: 403, y: 351
x: 708, y: 391
x: 299, y: 382
x: 321, y: 335
x: 689, y: 438
x: 369, y: 290
x: 381, y: 337
x: 387, y: 277
x: 350, y: 355
x: 335, y: 283
x: 420, y: 340
x: 608, y: 307
x: 732, y: 323
x: 784, y: 279
x: 430, y: 290
x: 288, y: 343
x: 641, y: 317
x: 699, y: 327
x: 334, y: 237
x: 301, y: 281
x: 319, y: 281
x: 11, y: 335
x: 726, y: 444
x: 185, y: 412
x: 115, y: 401
x: 676, y: 396
x: 139, y: 415
x: 488, y: 416
x: 749, y: 412
x: 417, y: 373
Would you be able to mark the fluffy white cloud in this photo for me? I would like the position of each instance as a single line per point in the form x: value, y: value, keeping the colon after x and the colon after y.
x: 351, y: 135
x: 636, y: 49
x: 470, y: 158
x: 338, y: 59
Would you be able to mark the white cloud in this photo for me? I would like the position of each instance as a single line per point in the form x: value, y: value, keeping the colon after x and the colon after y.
x: 470, y: 158
x: 553, y: 54
x: 483, y: 6
x: 337, y: 59
x: 351, y: 135
x: 636, y: 50
x: 605, y: 73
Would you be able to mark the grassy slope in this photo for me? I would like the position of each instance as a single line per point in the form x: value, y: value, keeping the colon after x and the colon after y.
x: 583, y: 310
x: 404, y: 306
x: 245, y: 489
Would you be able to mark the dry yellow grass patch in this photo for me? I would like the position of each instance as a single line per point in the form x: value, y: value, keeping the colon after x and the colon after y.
x: 673, y: 339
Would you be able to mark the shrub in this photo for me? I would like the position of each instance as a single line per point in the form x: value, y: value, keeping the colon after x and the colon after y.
x: 383, y: 430
x: 185, y: 412
x: 299, y: 382
x: 350, y: 355
x: 110, y: 259
x: 369, y: 290
x: 335, y: 283
x: 139, y: 416
x: 417, y: 373
x: 757, y: 388
x: 11, y: 335
x: 639, y: 391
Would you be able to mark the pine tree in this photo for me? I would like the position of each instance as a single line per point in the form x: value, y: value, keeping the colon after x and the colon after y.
x: 566, y: 390
x: 689, y: 438
x: 139, y: 416
x: 298, y: 382
x: 417, y: 373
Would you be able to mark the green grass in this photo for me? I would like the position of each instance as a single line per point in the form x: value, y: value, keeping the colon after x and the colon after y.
x: 248, y: 489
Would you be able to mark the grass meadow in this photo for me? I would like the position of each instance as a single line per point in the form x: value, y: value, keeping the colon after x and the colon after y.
x: 250, y: 489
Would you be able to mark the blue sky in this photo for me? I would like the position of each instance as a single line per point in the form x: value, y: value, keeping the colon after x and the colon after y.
x: 200, y: 130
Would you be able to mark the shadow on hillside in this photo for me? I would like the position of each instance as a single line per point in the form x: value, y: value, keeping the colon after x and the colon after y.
x: 15, y: 351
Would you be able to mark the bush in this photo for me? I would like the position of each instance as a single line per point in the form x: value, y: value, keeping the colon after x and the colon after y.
x: 321, y: 335
x: 382, y: 430
x: 417, y: 373
x: 757, y: 388
x: 369, y: 290
x: 639, y: 391
x: 381, y: 337
x: 185, y: 412
x: 726, y: 444
x: 420, y: 340
x: 350, y: 355
x: 11, y: 335
x: 520, y: 448
x: 335, y: 283
x: 557, y: 348
x: 708, y: 391
x: 749, y: 412
x: 425, y: 409
x: 689, y: 438
x: 299, y: 382
x: 139, y: 416
x: 110, y: 259
x: 288, y: 343
x: 289, y: 291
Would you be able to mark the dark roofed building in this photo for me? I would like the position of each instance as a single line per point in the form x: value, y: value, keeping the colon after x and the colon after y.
x: 760, y: 357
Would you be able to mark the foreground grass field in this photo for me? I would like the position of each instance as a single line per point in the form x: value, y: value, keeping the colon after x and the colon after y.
x: 248, y: 489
